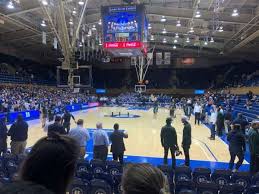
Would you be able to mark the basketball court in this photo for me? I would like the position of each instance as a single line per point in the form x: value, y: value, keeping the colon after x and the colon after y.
x: 143, y: 144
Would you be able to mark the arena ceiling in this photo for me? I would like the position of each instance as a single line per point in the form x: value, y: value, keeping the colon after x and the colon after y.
x: 236, y: 36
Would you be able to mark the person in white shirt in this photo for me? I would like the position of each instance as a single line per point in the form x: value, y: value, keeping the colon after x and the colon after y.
x: 213, y: 119
x: 197, y: 113
x: 81, y: 135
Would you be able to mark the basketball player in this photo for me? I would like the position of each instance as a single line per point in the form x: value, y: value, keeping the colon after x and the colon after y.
x: 155, y: 108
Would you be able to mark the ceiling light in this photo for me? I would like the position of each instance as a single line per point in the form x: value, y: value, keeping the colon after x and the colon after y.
x: 74, y: 11
x: 94, y: 27
x: 198, y: 14
x: 174, y: 47
x: 211, y: 40
x: 44, y: 2
x: 176, y: 35
x: 221, y: 29
x: 100, y: 22
x: 80, y: 44
x: 71, y: 21
x: 152, y: 37
x: 164, y: 31
x: 89, y: 33
x: 149, y: 26
x: 100, y: 43
x: 235, y: 13
x: 175, y: 40
x: 187, y: 40
x: 163, y: 19
x: 80, y: 2
x: 178, y: 23
x: 164, y: 40
x: 10, y: 5
x: 205, y: 43
x: 43, y: 23
x: 191, y: 30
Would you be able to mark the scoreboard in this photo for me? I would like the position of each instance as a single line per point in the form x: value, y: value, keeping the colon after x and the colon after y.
x: 125, y: 29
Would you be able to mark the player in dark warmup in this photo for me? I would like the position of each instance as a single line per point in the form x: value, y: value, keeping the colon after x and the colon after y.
x: 155, y: 108
x: 66, y: 120
x: 44, y: 115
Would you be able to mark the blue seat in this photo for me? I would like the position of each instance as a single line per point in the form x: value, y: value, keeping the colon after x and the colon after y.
x: 117, y: 188
x: 3, y: 172
x: 255, y: 179
x: 104, y: 176
x: 100, y: 187
x: 184, y: 185
x: 78, y: 187
x: 232, y: 188
x: 114, y: 167
x: 207, y: 187
x: 221, y: 176
x: 83, y: 170
x: 242, y: 178
x: 183, y: 173
x: 97, y: 166
x: 254, y: 189
x: 201, y: 175
x: 11, y: 164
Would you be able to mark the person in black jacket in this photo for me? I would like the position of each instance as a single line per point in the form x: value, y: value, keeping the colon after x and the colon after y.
x: 187, y: 139
x: 3, y: 136
x: 56, y: 127
x: 118, y: 146
x: 19, y: 135
x: 169, y: 141
x: 240, y: 120
x: 66, y: 120
x: 237, y: 146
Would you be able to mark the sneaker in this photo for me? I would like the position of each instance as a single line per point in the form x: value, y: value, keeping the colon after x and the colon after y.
x: 212, y: 138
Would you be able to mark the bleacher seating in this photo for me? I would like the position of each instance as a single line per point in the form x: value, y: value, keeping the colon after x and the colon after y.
x: 97, y: 176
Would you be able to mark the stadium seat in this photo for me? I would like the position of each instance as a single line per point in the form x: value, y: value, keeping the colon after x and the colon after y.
x: 114, y: 167
x: 104, y: 176
x: 97, y: 166
x: 232, y: 188
x: 100, y: 187
x: 11, y: 164
x: 183, y: 173
x: 221, y: 176
x: 117, y: 189
x: 2, y: 168
x: 242, y: 178
x: 83, y: 170
x: 78, y: 187
x: 207, y: 187
x: 254, y: 189
x: 255, y: 179
x: 201, y: 175
x: 184, y: 185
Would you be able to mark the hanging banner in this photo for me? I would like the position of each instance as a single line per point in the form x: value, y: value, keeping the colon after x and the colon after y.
x: 44, y: 38
x: 167, y: 58
x: 150, y: 58
x: 159, y: 58
x: 133, y: 61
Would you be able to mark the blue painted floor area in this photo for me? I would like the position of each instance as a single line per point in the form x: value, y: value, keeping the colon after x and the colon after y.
x: 158, y: 161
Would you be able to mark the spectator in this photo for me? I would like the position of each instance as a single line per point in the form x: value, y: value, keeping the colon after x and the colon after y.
x: 143, y: 179
x: 66, y: 120
x: 213, y: 119
x: 227, y: 120
x: 19, y: 135
x: 56, y: 127
x: 220, y: 121
x: 197, y: 113
x: 240, y: 120
x: 117, y: 143
x: 187, y: 139
x: 253, y: 139
x: 81, y: 135
x: 51, y: 163
x: 24, y: 187
x: 101, y: 143
x: 237, y: 146
x: 3, y: 136
x: 169, y: 141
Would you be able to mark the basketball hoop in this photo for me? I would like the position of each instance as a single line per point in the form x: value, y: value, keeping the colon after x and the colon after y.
x: 140, y: 88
